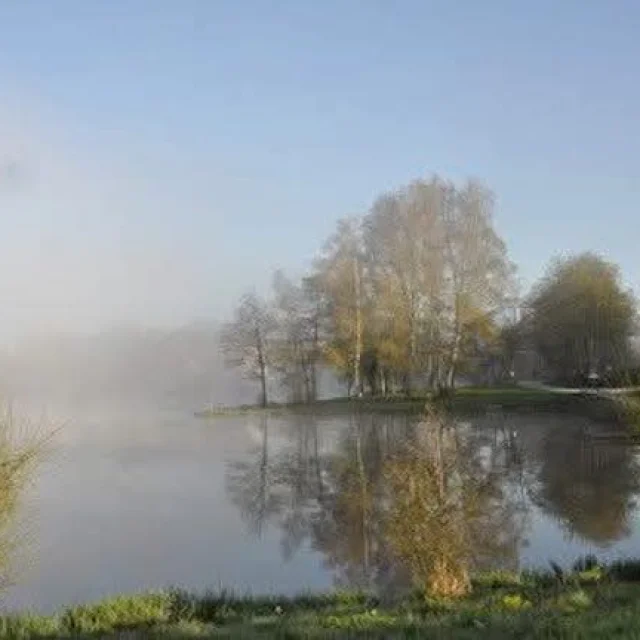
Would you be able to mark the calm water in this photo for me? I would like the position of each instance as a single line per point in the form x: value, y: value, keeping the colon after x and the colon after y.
x: 135, y: 501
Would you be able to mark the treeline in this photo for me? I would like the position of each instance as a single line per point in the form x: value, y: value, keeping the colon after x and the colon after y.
x: 421, y: 290
x: 410, y: 294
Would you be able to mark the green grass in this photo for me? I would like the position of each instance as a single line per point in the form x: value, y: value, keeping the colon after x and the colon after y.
x: 588, y: 602
x: 465, y: 399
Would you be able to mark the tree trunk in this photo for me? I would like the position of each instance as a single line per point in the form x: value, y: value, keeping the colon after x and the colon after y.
x: 307, y: 384
x: 383, y: 382
x: 451, y: 374
x: 263, y: 384
x: 314, y: 362
x: 306, y: 373
x: 455, y: 348
x: 358, y: 329
x: 412, y: 349
x: 406, y: 383
x: 434, y: 381
x: 263, y: 369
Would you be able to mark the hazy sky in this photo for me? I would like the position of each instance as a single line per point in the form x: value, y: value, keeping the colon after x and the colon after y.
x: 159, y: 157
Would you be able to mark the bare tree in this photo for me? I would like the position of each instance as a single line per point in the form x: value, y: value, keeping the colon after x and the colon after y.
x: 245, y: 342
x: 297, y: 310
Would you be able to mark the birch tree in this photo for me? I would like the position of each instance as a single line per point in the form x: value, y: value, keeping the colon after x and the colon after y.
x: 440, y: 272
x: 410, y: 292
x: 341, y: 275
x: 403, y: 244
x: 478, y: 272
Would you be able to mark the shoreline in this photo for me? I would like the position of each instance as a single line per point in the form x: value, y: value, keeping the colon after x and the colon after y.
x: 464, y: 398
x: 622, y: 409
x: 589, y: 600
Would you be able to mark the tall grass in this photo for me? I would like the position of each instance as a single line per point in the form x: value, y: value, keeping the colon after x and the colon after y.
x: 23, y: 446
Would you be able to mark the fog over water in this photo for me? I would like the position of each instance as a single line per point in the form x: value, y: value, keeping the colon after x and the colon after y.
x: 104, y: 296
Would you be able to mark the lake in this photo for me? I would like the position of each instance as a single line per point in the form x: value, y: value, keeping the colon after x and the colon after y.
x: 136, y: 500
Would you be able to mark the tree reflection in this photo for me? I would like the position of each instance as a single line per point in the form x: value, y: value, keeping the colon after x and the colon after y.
x: 349, y: 492
x: 589, y: 487
x: 349, y: 527
x: 302, y: 479
x: 251, y: 485
x: 449, y: 510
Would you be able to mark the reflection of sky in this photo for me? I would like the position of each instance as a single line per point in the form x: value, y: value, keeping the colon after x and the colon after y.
x: 134, y: 506
x: 547, y: 542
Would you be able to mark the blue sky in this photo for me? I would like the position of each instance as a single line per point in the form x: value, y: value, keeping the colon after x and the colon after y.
x: 170, y: 154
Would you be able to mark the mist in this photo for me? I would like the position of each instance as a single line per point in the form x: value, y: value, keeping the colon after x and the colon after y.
x: 96, y: 302
x: 75, y: 253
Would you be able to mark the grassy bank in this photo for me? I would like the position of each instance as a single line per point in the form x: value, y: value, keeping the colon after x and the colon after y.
x: 592, y: 603
x: 465, y: 399
x: 623, y: 411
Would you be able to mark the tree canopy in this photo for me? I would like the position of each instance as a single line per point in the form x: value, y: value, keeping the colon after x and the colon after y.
x: 581, y: 317
x: 416, y: 293
x: 407, y: 294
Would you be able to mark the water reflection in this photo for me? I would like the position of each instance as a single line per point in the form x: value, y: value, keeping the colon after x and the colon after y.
x: 250, y: 483
x: 384, y: 498
x: 589, y: 488
x: 348, y: 528
x: 450, y: 509
x: 323, y: 487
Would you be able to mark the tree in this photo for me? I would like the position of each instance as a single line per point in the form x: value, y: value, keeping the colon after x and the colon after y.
x: 496, y: 345
x: 510, y: 340
x: 404, y: 251
x: 409, y: 294
x: 297, y: 310
x: 581, y: 318
x: 478, y: 271
x: 246, y: 341
x: 440, y: 274
x: 315, y: 310
x: 340, y: 276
